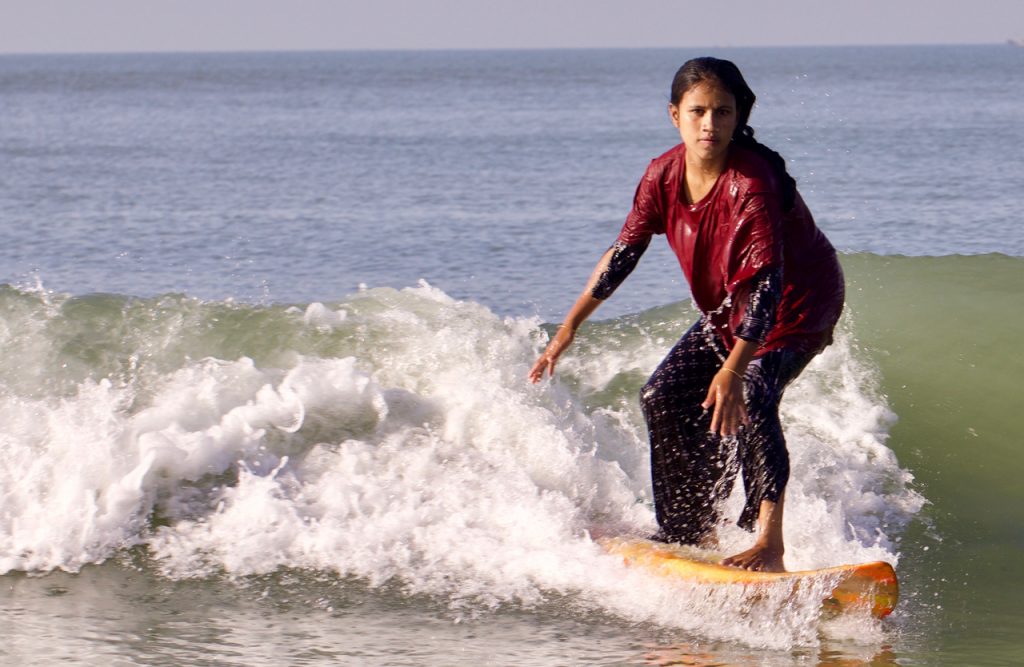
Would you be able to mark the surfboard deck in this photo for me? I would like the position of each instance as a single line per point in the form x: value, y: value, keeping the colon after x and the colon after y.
x: 864, y: 585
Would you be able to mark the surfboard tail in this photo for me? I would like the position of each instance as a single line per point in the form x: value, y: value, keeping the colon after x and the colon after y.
x: 871, y: 586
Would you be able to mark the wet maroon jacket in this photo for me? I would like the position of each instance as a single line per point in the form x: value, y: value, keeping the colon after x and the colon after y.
x: 734, y: 232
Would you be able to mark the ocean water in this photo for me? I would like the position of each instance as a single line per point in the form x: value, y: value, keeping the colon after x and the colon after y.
x: 267, y: 319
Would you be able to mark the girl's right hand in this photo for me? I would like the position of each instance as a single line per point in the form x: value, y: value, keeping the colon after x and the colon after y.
x: 562, y: 340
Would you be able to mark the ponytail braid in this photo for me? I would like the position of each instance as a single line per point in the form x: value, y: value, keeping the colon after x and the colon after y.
x: 744, y: 136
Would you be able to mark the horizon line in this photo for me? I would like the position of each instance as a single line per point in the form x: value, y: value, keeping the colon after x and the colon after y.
x: 440, y: 49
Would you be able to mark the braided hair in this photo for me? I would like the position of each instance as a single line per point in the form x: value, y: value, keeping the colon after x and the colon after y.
x: 726, y: 74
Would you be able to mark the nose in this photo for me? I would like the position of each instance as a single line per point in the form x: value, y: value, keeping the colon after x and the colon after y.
x: 708, y: 122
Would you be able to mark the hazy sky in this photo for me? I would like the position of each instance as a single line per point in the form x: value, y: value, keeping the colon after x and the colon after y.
x: 61, y: 26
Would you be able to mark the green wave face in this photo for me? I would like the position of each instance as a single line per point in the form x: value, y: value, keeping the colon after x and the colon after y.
x: 944, y: 333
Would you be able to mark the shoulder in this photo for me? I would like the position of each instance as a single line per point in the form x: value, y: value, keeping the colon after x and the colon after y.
x: 666, y: 165
x: 750, y: 172
x: 672, y: 155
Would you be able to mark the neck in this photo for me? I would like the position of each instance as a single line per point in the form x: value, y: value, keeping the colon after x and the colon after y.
x: 706, y: 169
x: 701, y: 176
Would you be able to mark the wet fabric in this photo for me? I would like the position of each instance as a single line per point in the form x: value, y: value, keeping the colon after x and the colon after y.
x: 622, y: 262
x: 732, y: 234
x: 762, y: 303
x: 763, y: 296
x: 692, y: 469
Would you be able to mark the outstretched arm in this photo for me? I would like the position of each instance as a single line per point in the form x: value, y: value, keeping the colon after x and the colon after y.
x: 613, y: 267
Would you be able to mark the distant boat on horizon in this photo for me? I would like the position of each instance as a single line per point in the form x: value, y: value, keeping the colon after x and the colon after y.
x: 1015, y: 42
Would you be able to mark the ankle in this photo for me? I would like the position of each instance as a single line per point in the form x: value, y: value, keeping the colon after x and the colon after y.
x: 772, y: 545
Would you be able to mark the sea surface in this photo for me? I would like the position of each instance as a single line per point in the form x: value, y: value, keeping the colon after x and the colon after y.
x: 266, y: 320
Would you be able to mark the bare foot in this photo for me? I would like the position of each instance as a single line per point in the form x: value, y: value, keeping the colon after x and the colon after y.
x: 759, y: 558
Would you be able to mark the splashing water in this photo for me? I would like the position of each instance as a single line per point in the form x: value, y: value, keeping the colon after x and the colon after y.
x: 392, y: 437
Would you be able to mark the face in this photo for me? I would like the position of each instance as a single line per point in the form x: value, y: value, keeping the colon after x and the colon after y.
x: 706, y: 119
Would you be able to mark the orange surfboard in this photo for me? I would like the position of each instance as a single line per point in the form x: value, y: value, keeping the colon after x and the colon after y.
x: 867, y: 585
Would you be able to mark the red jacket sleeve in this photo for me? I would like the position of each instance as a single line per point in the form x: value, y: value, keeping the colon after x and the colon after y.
x: 756, y: 242
x: 647, y: 216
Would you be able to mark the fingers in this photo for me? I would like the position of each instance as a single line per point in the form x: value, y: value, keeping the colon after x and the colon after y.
x: 712, y: 396
x: 726, y: 395
x: 716, y: 401
x: 729, y: 417
x: 736, y: 419
x: 547, y: 361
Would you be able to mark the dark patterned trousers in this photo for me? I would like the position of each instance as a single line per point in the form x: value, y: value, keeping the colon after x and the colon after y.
x: 692, y: 469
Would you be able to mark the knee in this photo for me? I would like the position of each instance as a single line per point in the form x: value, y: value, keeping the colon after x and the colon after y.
x: 655, y: 395
x: 648, y: 394
x: 669, y: 400
x: 765, y: 456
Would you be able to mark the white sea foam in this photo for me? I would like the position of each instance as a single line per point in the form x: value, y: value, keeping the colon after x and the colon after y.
x: 423, y: 457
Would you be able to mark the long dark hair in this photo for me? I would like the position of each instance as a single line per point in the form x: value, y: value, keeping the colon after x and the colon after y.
x: 726, y: 74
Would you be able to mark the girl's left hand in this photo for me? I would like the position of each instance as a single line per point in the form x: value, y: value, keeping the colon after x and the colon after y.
x: 726, y: 395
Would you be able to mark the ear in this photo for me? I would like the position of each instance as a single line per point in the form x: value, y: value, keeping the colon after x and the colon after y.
x: 673, y: 113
